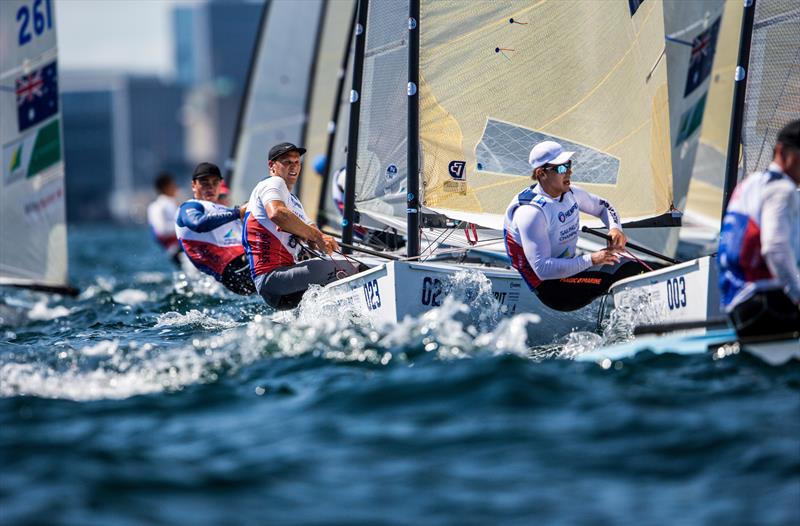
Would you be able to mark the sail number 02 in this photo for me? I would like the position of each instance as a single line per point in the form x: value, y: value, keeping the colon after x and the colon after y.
x: 431, y: 291
x: 676, y: 293
x: 39, y: 17
x: 372, y: 295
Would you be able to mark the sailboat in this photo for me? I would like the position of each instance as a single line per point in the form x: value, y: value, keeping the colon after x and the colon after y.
x: 33, y: 231
x: 447, y: 99
x: 686, y: 291
x: 305, y: 104
x: 767, y: 97
x: 704, y: 201
x: 275, y: 106
x: 325, y: 91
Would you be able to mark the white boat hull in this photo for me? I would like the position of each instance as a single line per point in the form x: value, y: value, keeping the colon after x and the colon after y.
x: 721, y: 342
x: 392, y: 291
x: 684, y: 292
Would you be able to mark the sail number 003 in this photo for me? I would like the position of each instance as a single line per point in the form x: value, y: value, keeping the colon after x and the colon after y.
x: 676, y: 293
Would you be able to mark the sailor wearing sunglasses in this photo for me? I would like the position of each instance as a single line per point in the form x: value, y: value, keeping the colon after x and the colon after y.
x: 541, y: 232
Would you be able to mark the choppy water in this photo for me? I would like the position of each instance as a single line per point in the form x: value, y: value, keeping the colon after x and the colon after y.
x: 153, y: 399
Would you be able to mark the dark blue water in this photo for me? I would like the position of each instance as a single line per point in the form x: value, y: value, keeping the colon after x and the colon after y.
x: 153, y: 399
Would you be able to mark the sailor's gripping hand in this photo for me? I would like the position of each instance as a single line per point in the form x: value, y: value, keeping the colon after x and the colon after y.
x: 320, y: 241
x: 618, y: 238
x: 330, y: 244
x: 607, y: 256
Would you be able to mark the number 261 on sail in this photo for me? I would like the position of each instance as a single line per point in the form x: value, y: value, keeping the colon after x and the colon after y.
x: 34, y: 19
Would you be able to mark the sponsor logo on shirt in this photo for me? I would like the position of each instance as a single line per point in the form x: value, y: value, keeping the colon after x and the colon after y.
x: 611, y: 210
x: 568, y: 233
x: 562, y: 216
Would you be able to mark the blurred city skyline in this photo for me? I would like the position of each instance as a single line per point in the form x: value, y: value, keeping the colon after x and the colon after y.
x: 147, y: 86
x: 132, y: 36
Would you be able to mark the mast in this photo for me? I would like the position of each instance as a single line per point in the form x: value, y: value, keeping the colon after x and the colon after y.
x: 737, y: 112
x: 322, y: 220
x: 352, y: 138
x: 412, y: 210
x: 312, y: 74
x: 262, y: 25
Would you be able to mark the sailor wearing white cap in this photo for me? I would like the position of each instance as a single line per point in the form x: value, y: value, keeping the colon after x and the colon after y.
x: 541, y: 231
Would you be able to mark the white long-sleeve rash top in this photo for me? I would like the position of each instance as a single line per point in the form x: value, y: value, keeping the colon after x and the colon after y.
x: 548, y: 229
x: 780, y: 235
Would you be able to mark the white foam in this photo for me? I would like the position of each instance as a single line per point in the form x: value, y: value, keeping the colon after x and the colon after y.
x: 511, y: 335
x: 150, y: 277
x: 107, y: 370
x: 633, y: 307
x: 131, y: 296
x: 195, y: 282
x: 104, y: 348
x: 205, y: 319
x: 42, y: 312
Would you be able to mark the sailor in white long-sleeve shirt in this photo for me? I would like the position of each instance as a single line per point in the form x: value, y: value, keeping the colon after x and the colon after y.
x: 759, y: 249
x: 161, y: 216
x: 542, y: 224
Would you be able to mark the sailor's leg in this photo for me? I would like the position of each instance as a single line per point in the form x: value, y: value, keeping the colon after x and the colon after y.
x: 766, y: 313
x: 236, y: 277
x: 284, y: 287
x: 572, y: 293
x: 624, y: 269
x: 174, y: 254
x: 577, y: 291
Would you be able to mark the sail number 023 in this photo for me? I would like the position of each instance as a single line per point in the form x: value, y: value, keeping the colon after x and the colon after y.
x: 676, y: 293
x: 39, y: 17
x: 372, y: 295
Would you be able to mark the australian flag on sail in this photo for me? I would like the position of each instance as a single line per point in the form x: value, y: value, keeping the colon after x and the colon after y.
x: 704, y: 46
x: 37, y: 96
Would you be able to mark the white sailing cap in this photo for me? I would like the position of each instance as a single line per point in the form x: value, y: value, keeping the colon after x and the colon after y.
x: 548, y: 152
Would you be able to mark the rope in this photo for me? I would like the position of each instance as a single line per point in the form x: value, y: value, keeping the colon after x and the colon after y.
x: 461, y: 249
x: 341, y: 273
x: 629, y: 254
x: 430, y: 248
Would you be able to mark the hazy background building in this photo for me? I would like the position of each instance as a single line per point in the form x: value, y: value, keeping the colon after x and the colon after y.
x: 121, y: 129
x: 88, y: 151
x: 214, y: 43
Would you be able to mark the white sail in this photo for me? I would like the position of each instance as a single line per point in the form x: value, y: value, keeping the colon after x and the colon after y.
x: 333, y: 43
x: 33, y: 233
x: 381, y: 174
x: 692, y: 35
x: 704, y: 201
x: 773, y: 79
x: 772, y: 100
x: 494, y: 81
x: 338, y: 158
x: 276, y: 106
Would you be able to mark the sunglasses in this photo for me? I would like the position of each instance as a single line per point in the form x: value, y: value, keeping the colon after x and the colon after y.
x: 559, y: 168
